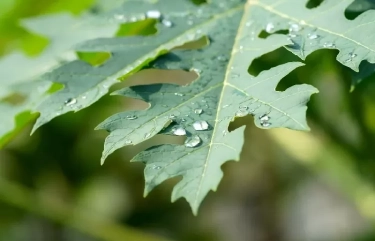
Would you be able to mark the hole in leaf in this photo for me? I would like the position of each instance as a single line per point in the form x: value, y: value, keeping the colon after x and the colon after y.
x: 34, y: 45
x: 140, y: 28
x: 265, y: 34
x: 199, y: 2
x: 196, y: 44
x: 94, y: 58
x: 156, y: 76
x: 270, y: 60
x: 133, y: 104
x: 15, y: 99
x: 55, y: 87
x: 358, y: 7
x: 313, y: 3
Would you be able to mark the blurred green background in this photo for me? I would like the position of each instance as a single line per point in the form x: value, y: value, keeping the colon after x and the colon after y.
x: 289, y: 185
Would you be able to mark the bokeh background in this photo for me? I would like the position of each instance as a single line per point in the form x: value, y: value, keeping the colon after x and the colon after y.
x: 288, y: 186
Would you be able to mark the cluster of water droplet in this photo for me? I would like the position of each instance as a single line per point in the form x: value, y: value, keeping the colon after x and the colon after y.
x: 264, y: 120
x: 155, y: 14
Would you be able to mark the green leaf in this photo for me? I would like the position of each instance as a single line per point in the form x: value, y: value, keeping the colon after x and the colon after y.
x: 85, y: 84
x: 20, y: 74
x: 205, y: 108
x: 323, y: 27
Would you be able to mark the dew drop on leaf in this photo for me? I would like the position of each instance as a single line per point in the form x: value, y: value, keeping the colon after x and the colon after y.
x: 329, y: 45
x: 131, y: 117
x: 153, y: 14
x: 179, y: 94
x: 265, y: 124
x: 200, y: 125
x: 179, y: 131
x: 264, y: 117
x: 155, y: 167
x: 193, y: 141
x: 270, y: 27
x: 70, y: 101
x: 313, y: 36
x: 198, y: 111
x: 167, y: 23
x: 128, y: 142
x: 147, y: 135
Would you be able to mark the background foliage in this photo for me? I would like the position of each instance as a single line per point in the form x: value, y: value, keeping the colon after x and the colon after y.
x: 288, y: 186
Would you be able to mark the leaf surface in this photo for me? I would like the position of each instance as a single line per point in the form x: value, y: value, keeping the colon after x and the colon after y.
x: 205, y: 108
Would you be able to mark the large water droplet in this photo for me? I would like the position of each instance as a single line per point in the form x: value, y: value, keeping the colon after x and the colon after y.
x: 270, y: 27
x: 295, y: 27
x: 313, y: 36
x: 153, y: 14
x: 70, y: 101
x: 167, y: 23
x: 131, y: 117
x: 179, y: 131
x: 264, y: 117
x: 198, y: 111
x: 265, y: 124
x: 155, y: 167
x: 193, y: 141
x: 200, y: 125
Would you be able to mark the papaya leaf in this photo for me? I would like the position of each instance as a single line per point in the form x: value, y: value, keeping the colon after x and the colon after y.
x: 203, y: 110
x: 21, y: 74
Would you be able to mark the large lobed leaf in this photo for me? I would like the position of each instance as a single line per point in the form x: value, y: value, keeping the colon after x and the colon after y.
x: 224, y: 90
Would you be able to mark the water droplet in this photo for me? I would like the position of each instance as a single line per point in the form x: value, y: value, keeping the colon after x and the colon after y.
x: 225, y: 132
x: 183, y: 120
x: 265, y: 124
x: 119, y: 16
x: 241, y: 113
x: 84, y: 97
x: 225, y: 106
x: 179, y: 94
x: 313, y: 36
x: 292, y: 35
x: 155, y: 167
x: 167, y: 23
x: 200, y: 125
x: 190, y: 22
x: 131, y: 117
x: 198, y: 71
x: 329, y: 45
x: 248, y: 24
x: 198, y: 111
x: 295, y: 27
x: 172, y: 117
x: 128, y: 142
x: 270, y: 27
x: 352, y: 55
x: 70, y: 101
x: 153, y: 14
x: 165, y: 106
x: 179, y: 131
x: 264, y: 117
x: 193, y: 141
x: 221, y: 58
x: 133, y: 19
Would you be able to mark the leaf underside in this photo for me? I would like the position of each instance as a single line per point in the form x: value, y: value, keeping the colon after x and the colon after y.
x: 223, y: 91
